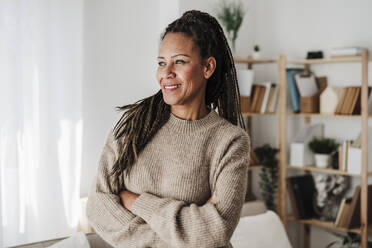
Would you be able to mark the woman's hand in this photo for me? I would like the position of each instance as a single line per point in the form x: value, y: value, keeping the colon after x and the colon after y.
x: 211, y: 200
x: 128, y: 198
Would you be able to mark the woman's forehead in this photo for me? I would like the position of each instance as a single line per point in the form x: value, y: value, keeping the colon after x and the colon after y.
x: 178, y: 43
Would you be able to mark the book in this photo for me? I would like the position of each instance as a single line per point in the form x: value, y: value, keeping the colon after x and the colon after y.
x: 340, y: 157
x: 303, y: 190
x: 344, y: 213
x: 353, y: 218
x: 254, y: 97
x: 353, y: 97
x: 292, y: 199
x: 293, y: 91
x: 266, y: 97
x: 370, y: 102
x: 341, y: 101
x: 271, y: 108
x: 270, y: 98
x: 355, y: 104
x: 339, y: 212
x: 347, y: 100
x: 345, y: 149
x: 345, y: 51
x: 260, y: 98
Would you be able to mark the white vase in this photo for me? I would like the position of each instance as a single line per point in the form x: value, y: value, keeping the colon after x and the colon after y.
x: 245, y: 81
x: 322, y: 160
x: 256, y: 55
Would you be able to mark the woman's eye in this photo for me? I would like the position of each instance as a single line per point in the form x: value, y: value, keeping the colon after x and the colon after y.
x: 180, y: 61
x: 161, y: 63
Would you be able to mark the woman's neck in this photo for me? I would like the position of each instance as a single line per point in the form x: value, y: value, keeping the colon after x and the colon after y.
x: 186, y: 113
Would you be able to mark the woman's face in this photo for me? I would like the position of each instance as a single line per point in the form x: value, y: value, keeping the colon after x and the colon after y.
x: 181, y: 74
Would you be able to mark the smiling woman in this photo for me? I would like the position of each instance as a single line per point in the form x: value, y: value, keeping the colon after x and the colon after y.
x: 173, y: 171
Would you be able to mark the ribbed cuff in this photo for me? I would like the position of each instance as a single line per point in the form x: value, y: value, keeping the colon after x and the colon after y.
x: 145, y: 205
x: 114, y: 207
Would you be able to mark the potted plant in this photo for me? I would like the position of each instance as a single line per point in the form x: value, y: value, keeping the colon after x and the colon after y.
x: 348, y: 240
x: 231, y: 16
x: 256, y: 52
x: 323, y: 148
x: 269, y: 173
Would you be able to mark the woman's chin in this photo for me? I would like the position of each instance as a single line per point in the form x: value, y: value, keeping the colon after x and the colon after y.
x: 172, y: 101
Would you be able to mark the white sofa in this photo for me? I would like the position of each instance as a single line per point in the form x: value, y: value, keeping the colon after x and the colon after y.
x: 259, y: 228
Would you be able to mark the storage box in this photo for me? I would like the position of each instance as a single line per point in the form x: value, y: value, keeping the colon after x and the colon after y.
x: 309, y: 104
x: 301, y: 155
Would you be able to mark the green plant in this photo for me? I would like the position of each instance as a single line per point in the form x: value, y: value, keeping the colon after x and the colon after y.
x: 349, y: 240
x: 323, y: 145
x: 269, y: 174
x: 256, y: 48
x: 231, y: 15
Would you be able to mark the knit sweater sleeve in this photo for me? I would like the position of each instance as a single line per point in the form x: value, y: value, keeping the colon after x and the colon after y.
x: 188, y: 225
x: 113, y: 222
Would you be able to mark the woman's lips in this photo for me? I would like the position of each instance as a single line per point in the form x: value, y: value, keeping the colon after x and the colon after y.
x: 171, y: 87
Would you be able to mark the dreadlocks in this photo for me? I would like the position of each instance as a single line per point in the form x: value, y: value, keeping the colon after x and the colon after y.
x: 141, y: 120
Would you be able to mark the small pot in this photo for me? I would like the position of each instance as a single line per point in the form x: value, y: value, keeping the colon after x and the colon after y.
x: 322, y: 160
x: 256, y: 55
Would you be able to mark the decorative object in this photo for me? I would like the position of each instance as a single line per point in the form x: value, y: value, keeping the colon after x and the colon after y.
x: 330, y: 189
x: 231, y: 16
x: 245, y: 81
x: 269, y: 174
x: 256, y: 52
x: 323, y: 148
x: 329, y: 100
x: 314, y: 55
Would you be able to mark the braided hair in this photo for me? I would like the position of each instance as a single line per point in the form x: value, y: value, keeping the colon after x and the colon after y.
x: 141, y: 120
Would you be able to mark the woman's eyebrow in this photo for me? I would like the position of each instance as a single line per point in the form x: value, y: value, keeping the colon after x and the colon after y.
x: 181, y: 54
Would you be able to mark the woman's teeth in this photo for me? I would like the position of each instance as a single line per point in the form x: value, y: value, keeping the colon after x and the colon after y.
x: 172, y: 86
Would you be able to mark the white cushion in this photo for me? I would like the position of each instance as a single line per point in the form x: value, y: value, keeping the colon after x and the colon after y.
x: 260, y: 231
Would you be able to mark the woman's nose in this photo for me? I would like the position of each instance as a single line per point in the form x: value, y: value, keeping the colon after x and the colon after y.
x: 168, y: 72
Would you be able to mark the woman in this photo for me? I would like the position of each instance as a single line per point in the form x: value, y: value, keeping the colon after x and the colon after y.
x: 173, y: 172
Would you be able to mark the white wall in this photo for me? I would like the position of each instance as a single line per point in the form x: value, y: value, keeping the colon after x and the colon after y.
x: 121, y: 41
x: 293, y: 27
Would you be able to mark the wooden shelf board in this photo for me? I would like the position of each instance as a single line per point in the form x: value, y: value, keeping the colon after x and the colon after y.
x: 254, y: 61
x: 324, y: 170
x: 256, y: 114
x: 323, y: 224
x: 344, y: 59
x: 255, y: 167
x: 325, y: 115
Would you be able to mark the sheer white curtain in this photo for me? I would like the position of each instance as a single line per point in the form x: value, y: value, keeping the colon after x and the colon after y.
x: 40, y: 119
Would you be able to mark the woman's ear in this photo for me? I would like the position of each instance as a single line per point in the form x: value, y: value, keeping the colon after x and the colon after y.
x: 209, y: 67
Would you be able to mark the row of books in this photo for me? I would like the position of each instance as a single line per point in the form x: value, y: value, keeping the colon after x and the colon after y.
x: 349, y: 155
x: 344, y: 151
x: 264, y: 98
x: 348, y: 215
x: 349, y: 101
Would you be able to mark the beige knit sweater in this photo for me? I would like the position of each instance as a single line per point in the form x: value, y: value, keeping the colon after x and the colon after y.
x: 176, y: 174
